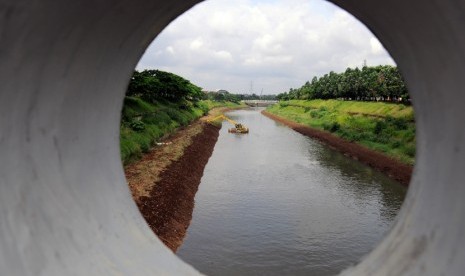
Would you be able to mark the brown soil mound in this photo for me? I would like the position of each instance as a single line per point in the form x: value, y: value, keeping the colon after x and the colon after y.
x: 391, y: 167
x: 168, y: 209
x: 143, y: 174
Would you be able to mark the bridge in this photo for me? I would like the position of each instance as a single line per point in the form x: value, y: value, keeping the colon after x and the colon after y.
x: 260, y: 103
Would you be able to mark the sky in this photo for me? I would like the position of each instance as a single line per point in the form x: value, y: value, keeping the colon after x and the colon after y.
x: 262, y: 46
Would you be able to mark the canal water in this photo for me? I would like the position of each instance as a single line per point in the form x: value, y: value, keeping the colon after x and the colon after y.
x: 274, y: 202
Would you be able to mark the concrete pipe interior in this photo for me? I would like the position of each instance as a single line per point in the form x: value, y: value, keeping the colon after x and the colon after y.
x: 64, y: 204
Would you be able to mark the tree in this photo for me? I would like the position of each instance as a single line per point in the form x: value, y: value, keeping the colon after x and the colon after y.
x: 153, y: 85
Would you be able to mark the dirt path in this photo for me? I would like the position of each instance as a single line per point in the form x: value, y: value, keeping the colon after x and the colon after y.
x: 391, y: 167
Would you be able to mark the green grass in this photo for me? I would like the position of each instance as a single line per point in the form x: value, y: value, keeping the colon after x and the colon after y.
x: 384, y: 127
x: 143, y: 123
x: 377, y: 109
x: 213, y: 104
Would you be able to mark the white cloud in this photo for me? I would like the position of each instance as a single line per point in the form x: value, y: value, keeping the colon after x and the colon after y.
x: 196, y: 43
x: 170, y: 50
x: 223, y: 56
x: 276, y: 44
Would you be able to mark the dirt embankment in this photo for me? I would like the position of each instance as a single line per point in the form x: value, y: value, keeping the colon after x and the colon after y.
x: 391, y: 167
x: 164, y: 182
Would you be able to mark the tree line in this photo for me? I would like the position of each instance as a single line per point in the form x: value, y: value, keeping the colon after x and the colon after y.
x: 223, y: 95
x: 155, y: 85
x: 378, y: 83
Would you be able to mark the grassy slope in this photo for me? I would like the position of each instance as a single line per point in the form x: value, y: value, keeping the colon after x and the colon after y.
x: 213, y: 104
x: 384, y: 127
x: 143, y: 123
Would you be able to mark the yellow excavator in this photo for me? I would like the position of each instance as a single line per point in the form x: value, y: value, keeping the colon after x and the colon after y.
x: 238, y: 128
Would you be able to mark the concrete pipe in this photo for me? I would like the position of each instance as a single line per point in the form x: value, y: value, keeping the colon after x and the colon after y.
x: 64, y: 204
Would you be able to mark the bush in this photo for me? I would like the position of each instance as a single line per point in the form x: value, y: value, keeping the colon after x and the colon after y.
x: 409, y: 150
x: 409, y: 135
x: 137, y: 126
x: 379, y: 127
x: 332, y: 127
x: 335, y: 127
x: 177, y: 116
x: 145, y: 145
x: 158, y: 118
x: 326, y: 126
x: 382, y: 138
x: 134, y: 107
x: 401, y: 124
x: 154, y: 132
x: 203, y: 106
x: 185, y: 105
x: 350, y: 136
x: 398, y: 123
x: 395, y: 144
x: 315, y: 114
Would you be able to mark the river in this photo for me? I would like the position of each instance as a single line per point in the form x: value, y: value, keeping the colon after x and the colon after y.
x: 274, y: 202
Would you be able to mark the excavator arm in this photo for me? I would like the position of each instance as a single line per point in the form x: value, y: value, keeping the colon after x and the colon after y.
x: 222, y: 117
x: 238, y: 128
x: 230, y: 121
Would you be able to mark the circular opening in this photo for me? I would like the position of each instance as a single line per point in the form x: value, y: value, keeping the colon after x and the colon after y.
x: 269, y: 41
x: 65, y: 207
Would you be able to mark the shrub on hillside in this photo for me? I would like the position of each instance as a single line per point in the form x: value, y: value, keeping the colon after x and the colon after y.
x: 379, y: 127
x: 409, y: 150
x: 137, y: 125
x: 335, y: 127
x: 398, y: 123
x: 177, y: 116
x: 203, y: 106
x: 159, y: 118
x: 315, y: 114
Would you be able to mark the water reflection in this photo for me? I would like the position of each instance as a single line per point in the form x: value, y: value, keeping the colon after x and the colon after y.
x: 362, y: 181
x: 274, y: 202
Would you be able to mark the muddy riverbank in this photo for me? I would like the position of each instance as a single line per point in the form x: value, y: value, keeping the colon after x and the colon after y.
x: 393, y: 168
x: 164, y: 182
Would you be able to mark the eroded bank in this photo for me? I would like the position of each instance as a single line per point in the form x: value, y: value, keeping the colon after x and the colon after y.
x: 389, y: 166
x: 164, y: 182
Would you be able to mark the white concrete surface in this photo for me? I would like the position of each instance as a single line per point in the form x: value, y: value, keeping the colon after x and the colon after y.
x: 64, y: 206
